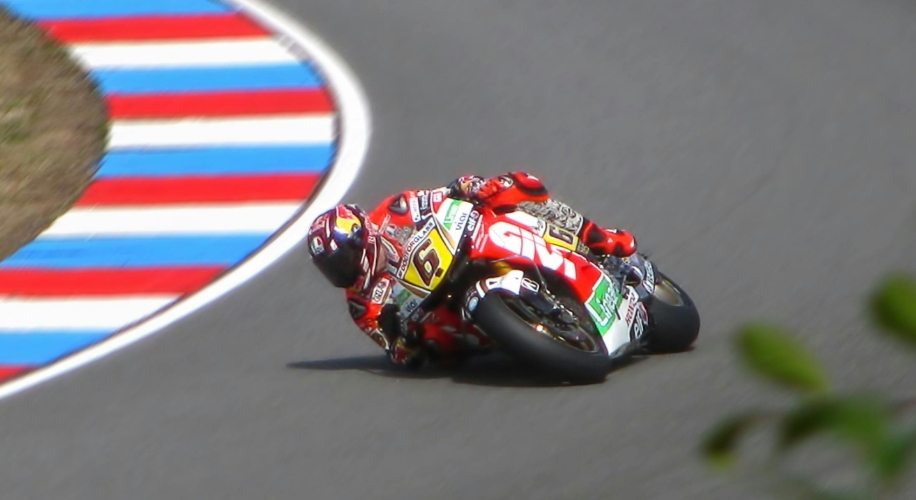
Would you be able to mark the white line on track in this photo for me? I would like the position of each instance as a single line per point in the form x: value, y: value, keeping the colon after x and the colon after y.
x: 354, y: 144
x: 255, y: 218
x: 303, y: 129
x: 229, y: 52
x: 79, y: 314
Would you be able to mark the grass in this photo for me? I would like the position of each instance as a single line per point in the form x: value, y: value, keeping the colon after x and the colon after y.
x: 52, y: 132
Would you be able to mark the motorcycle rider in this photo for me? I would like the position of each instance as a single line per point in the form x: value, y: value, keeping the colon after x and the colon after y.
x: 360, y: 251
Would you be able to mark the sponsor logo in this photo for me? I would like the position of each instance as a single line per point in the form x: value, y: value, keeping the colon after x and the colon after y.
x: 450, y: 214
x: 316, y: 245
x: 423, y: 196
x: 603, y: 303
x: 380, y: 292
x: 411, y: 306
x: 473, y: 218
x: 415, y: 209
x: 530, y: 285
x: 639, y: 326
x: 649, y: 281
x: 632, y: 302
x: 402, y: 296
x: 438, y: 196
x: 460, y: 222
x: 530, y: 246
x: 411, y: 245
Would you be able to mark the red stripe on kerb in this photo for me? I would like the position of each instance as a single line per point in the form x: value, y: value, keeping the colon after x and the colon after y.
x: 7, y: 372
x: 152, y: 28
x: 43, y: 283
x: 220, y: 104
x: 199, y: 189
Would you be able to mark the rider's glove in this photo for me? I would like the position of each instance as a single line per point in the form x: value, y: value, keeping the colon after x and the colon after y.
x: 466, y: 187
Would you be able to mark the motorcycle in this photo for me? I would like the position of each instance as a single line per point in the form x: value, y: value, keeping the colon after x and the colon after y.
x: 531, y: 288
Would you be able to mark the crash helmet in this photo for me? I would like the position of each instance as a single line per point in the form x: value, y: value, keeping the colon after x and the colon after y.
x: 344, y: 245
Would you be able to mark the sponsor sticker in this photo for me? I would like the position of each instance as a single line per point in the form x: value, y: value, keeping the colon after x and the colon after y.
x: 411, y: 245
x: 402, y: 296
x: 649, y: 282
x: 473, y: 217
x: 411, y: 306
x: 530, y: 246
x: 423, y: 196
x: 380, y: 292
x: 639, y: 326
x: 450, y: 214
x: 602, y: 305
x: 415, y: 209
x: 632, y: 301
x: 317, y: 245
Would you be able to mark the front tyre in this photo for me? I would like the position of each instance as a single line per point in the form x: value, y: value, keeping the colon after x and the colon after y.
x: 674, y: 322
x: 534, y: 341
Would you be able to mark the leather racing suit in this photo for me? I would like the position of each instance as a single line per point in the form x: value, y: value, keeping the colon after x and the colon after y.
x: 374, y: 306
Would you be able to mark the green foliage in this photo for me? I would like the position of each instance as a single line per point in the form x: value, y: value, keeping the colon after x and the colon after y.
x: 867, y: 424
x: 893, y: 306
x: 720, y: 442
x: 776, y: 356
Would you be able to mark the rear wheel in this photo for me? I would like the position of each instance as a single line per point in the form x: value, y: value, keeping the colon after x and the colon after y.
x: 673, y: 318
x: 556, y: 348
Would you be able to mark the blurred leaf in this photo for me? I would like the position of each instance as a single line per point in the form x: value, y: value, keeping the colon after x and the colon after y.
x: 893, y: 305
x: 896, y: 454
x: 862, y: 420
x: 719, y: 444
x: 778, y: 357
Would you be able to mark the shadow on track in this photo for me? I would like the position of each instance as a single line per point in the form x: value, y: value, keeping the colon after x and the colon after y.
x: 494, y: 370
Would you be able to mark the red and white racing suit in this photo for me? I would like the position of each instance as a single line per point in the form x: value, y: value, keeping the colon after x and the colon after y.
x: 441, y: 333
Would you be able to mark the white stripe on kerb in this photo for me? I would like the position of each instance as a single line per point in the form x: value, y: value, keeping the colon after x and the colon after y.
x: 302, y: 129
x: 78, y: 313
x: 260, y: 218
x: 178, y: 54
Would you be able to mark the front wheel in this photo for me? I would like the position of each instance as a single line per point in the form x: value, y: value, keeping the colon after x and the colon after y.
x: 674, y: 321
x: 534, y: 340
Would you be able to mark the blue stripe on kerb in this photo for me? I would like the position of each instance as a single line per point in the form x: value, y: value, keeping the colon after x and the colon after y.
x: 55, y: 9
x: 217, y: 161
x: 39, y: 348
x: 120, y: 252
x: 219, y: 78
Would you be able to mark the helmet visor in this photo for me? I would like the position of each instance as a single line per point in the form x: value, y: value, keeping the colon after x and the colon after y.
x: 341, y: 267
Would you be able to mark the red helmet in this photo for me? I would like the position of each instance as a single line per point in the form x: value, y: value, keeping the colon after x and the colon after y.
x: 344, y: 245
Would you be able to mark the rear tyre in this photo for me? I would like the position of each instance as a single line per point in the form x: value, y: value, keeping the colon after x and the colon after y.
x: 674, y: 321
x: 510, y: 323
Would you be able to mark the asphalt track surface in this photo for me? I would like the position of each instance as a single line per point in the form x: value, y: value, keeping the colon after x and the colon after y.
x: 762, y: 151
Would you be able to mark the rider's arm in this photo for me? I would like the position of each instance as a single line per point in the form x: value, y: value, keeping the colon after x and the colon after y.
x: 515, y: 188
x: 377, y: 317
x: 506, y: 189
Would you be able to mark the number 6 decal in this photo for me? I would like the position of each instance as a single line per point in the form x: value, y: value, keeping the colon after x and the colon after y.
x: 426, y: 260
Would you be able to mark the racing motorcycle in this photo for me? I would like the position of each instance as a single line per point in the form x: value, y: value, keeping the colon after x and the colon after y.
x: 533, y: 290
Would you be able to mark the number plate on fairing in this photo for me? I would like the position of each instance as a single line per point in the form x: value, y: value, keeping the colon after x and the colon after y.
x: 427, y: 258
